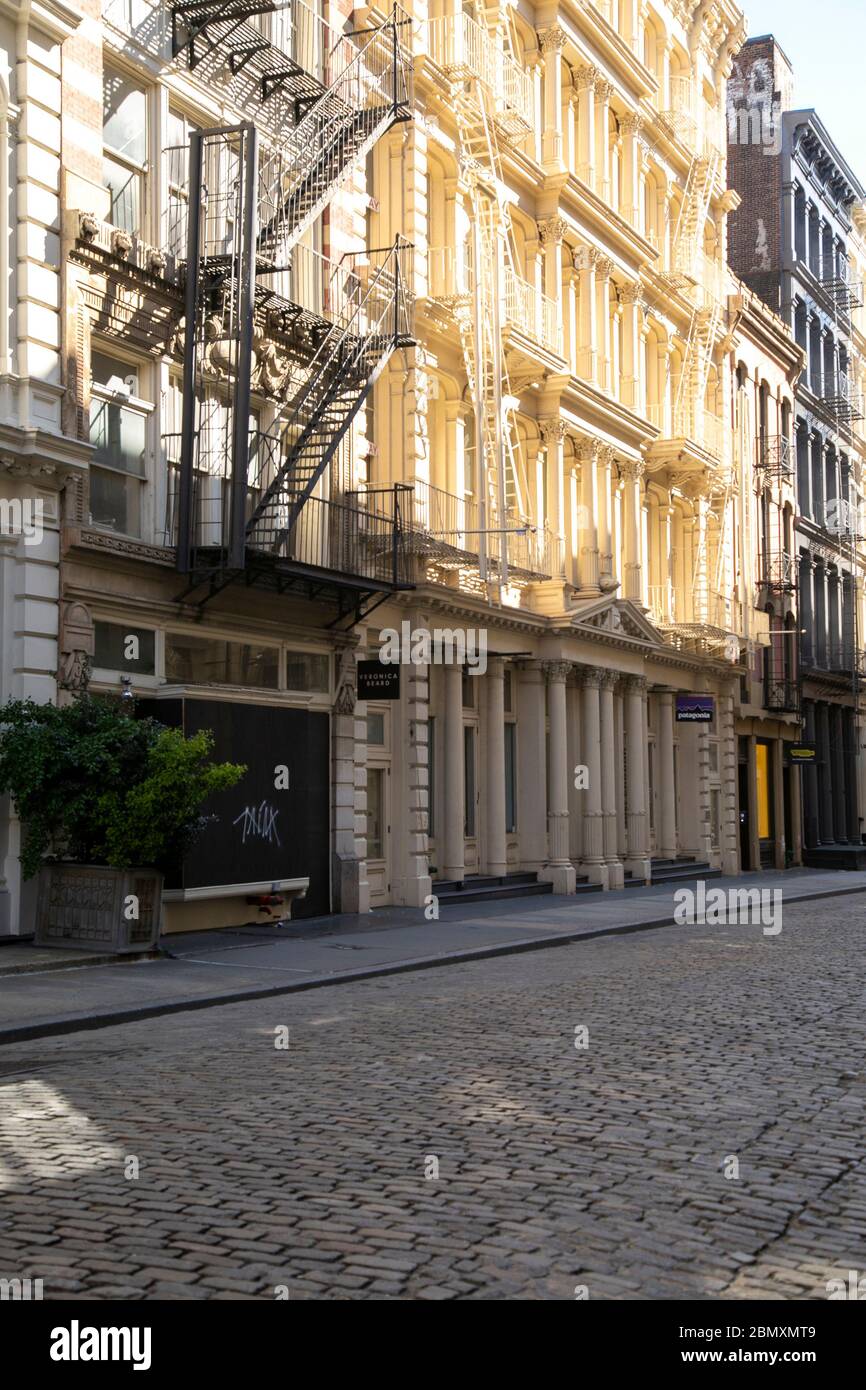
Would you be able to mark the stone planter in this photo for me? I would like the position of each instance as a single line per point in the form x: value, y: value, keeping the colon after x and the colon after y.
x: 117, y: 911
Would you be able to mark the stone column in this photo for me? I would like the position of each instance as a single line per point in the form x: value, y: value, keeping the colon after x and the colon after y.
x: 603, y: 273
x: 552, y: 42
x: 752, y: 807
x: 576, y: 794
x: 631, y: 126
x: 559, y: 870
x: 570, y: 278
x: 587, y: 452
x: 453, y: 850
x: 593, y: 817
x: 638, y: 861
x: 632, y: 375
x: 532, y: 767
x: 615, y: 874
x: 667, y: 848
x: 603, y: 93
x: 584, y: 80
x: 349, y: 741
x: 553, y: 433
x: 619, y: 746
x: 497, y: 859
x: 607, y: 582
x: 587, y: 353
x: 632, y: 471
x: 551, y: 231
x: 410, y: 874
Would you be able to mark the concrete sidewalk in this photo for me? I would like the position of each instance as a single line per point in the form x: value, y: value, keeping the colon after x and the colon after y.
x: 208, y: 968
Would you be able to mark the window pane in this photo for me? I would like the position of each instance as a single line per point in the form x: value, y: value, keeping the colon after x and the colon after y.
x: 124, y: 117
x: 211, y: 661
x: 114, y: 373
x: 124, y: 185
x: 118, y: 435
x: 376, y: 729
x: 120, y: 648
x: 308, y: 671
x: 115, y: 502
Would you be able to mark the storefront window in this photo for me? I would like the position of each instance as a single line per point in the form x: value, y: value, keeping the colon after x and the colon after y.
x: 211, y: 661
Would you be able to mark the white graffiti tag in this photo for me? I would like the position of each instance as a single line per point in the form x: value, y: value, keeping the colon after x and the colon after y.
x: 259, y: 823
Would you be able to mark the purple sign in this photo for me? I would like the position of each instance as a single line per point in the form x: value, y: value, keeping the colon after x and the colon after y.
x: 695, y: 709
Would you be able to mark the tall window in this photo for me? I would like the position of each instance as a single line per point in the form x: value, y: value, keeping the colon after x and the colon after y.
x: 178, y: 132
x: 124, y: 141
x: 118, y: 432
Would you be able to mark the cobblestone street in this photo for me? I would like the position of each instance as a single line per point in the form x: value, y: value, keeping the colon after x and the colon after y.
x: 559, y: 1166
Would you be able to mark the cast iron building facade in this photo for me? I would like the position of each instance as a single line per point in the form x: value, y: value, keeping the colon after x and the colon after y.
x: 797, y: 240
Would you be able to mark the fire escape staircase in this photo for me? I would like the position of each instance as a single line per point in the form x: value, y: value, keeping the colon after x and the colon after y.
x: 252, y: 209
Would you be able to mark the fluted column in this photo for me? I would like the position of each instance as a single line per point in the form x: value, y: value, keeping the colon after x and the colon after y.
x: 603, y: 93
x: 453, y: 855
x: 609, y: 778
x: 607, y: 582
x: 559, y: 870
x: 635, y: 696
x: 593, y: 816
x: 667, y: 848
x: 552, y: 42
x: 497, y: 859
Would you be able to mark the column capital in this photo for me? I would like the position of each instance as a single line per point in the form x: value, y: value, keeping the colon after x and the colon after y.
x: 553, y: 429
x: 587, y: 450
x: 632, y: 123
x: 590, y: 676
x: 552, y: 40
x: 551, y: 230
x: 586, y: 77
x: 609, y: 679
x: 496, y: 668
x: 557, y: 670
x: 632, y: 294
x: 632, y: 470
x: 635, y: 685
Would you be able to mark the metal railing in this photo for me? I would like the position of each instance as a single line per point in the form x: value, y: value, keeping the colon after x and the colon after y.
x: 358, y: 535
x: 464, y: 49
x: 700, y: 426
x: 375, y: 315
x: 446, y: 523
x: 534, y: 314
x: 775, y: 455
x: 778, y: 570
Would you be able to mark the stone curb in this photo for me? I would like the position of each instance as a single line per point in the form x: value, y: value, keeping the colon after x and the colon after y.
x: 57, y: 1027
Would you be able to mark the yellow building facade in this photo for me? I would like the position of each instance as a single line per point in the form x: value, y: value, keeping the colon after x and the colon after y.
x: 386, y: 322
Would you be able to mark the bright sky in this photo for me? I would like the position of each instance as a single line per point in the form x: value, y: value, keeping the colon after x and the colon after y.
x: 826, y: 43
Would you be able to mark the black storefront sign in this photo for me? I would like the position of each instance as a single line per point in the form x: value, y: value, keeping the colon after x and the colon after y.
x: 378, y: 682
x: 802, y: 752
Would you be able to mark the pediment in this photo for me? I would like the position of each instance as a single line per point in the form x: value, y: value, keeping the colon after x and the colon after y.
x: 618, y: 617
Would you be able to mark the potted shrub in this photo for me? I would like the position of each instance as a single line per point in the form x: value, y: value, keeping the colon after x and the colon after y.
x: 107, y: 802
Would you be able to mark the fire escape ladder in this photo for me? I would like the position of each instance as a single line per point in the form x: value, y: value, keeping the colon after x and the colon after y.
x: 479, y: 319
x: 299, y: 179
x: 305, y: 438
x: 241, y: 487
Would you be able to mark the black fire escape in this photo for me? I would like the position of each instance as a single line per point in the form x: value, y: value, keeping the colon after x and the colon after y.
x: 257, y: 496
x: 777, y: 575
